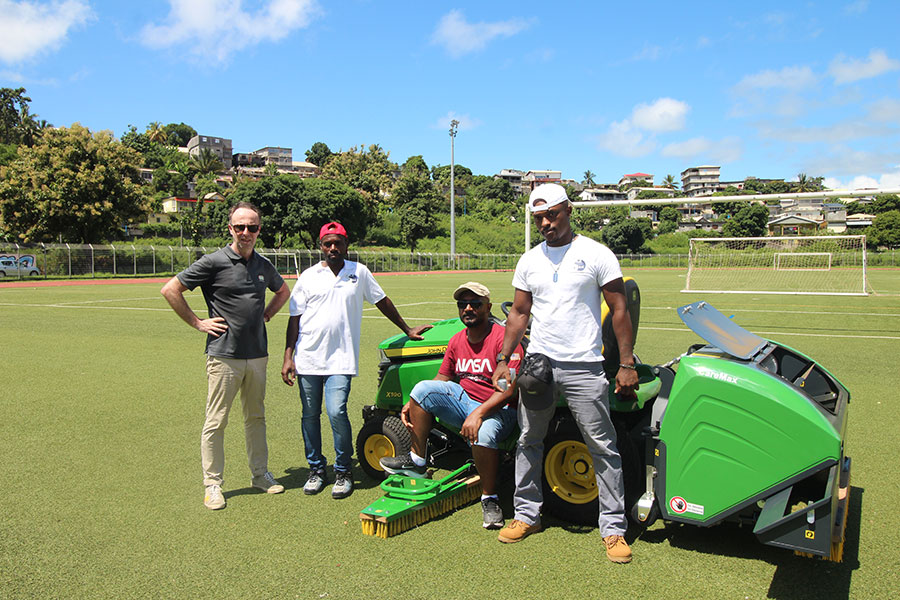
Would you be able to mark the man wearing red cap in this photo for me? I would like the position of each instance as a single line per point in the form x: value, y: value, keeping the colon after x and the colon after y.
x: 322, y: 350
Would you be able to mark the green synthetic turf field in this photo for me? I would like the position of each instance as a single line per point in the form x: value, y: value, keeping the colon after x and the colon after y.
x: 102, y: 399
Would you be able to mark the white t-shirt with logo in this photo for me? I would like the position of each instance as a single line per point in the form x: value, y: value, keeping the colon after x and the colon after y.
x: 330, y: 309
x: 565, y: 283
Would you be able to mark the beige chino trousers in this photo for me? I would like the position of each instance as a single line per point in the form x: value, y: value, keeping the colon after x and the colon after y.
x: 227, y: 377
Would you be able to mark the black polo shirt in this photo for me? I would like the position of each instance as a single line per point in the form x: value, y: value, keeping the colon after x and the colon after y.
x: 235, y: 289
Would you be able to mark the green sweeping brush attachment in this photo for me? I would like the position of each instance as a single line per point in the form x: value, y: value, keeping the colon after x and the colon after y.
x: 409, y: 502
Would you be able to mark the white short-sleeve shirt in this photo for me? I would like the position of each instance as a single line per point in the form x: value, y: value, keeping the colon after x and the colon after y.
x: 565, y: 283
x: 330, y: 309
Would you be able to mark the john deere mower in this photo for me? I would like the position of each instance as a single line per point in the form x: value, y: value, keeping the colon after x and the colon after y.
x: 737, y: 429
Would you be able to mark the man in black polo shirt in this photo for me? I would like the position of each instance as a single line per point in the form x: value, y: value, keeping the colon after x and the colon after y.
x: 234, y: 281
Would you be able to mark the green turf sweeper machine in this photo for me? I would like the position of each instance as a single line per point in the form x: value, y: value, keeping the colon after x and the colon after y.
x: 737, y: 429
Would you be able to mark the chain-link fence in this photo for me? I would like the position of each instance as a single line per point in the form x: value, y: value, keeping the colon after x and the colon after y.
x: 65, y: 261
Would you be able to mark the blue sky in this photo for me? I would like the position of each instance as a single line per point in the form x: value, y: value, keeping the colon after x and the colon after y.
x: 765, y: 89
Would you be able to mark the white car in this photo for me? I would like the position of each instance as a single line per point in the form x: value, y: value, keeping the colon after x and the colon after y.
x: 9, y: 267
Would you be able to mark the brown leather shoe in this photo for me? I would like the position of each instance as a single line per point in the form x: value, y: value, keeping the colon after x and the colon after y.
x: 517, y: 531
x: 617, y: 549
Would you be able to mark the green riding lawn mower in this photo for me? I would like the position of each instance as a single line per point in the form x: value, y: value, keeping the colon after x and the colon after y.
x: 737, y: 429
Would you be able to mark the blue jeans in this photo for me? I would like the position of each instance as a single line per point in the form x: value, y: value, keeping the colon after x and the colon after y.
x: 336, y: 390
x: 450, y: 403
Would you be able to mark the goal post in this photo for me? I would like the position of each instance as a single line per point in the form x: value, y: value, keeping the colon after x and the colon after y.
x: 814, y: 265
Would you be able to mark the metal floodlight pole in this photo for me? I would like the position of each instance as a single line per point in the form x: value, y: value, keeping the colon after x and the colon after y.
x: 454, y: 124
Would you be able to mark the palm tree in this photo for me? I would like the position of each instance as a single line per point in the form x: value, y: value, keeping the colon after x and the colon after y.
x: 670, y: 182
x: 207, y: 162
x: 589, y: 177
x: 156, y: 133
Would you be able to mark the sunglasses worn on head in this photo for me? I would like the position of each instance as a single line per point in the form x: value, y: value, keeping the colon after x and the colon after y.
x: 240, y: 228
x: 476, y: 304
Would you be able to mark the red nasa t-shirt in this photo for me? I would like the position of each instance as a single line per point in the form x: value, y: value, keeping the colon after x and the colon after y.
x: 474, y: 364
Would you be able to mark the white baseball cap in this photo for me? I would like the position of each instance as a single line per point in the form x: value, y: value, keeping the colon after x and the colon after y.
x: 551, y: 193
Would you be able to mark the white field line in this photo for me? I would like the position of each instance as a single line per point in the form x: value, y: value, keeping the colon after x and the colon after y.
x: 780, y: 333
x: 786, y: 312
x: 107, y: 300
x: 431, y: 319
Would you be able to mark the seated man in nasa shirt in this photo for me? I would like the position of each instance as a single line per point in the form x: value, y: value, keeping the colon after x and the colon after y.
x: 484, y: 415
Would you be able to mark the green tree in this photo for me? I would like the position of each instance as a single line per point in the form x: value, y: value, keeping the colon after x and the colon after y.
x: 368, y: 170
x: 462, y: 177
x: 13, y: 113
x: 207, y: 162
x: 750, y: 221
x: 170, y: 183
x: 140, y: 142
x: 179, y: 134
x: 292, y: 205
x: 319, y: 154
x: 156, y: 132
x: 670, y: 182
x: 885, y: 230
x: 625, y: 237
x: 669, y: 213
x: 492, y: 200
x: 589, y: 177
x: 418, y: 203
x: 8, y: 153
x: 415, y: 164
x: 885, y: 203
x: 74, y: 184
x: 633, y: 184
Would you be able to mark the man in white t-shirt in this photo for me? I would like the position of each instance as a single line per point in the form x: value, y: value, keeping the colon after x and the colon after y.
x: 322, y: 350
x: 561, y: 283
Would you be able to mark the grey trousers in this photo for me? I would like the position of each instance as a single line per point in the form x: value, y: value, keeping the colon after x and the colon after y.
x: 585, y: 387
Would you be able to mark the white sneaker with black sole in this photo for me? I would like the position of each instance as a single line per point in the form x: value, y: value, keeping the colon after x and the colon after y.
x: 491, y: 513
x: 403, y: 465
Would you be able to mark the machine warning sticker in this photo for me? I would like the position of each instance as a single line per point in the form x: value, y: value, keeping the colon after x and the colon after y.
x: 680, y: 506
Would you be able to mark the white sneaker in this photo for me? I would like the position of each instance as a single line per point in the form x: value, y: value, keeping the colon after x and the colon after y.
x: 214, y: 500
x: 267, y: 483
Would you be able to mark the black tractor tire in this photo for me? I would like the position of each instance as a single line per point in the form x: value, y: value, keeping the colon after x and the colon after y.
x: 569, y: 484
x: 380, y: 436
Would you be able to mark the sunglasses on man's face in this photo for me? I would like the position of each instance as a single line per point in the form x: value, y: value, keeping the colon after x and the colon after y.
x: 475, y: 304
x: 240, y: 228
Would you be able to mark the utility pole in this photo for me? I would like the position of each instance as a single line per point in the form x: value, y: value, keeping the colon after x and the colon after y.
x: 454, y: 124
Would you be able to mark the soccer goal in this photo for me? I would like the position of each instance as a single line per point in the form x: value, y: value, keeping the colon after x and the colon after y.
x: 823, y: 265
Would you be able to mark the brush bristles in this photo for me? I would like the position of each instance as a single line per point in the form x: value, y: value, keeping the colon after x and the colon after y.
x: 420, y: 514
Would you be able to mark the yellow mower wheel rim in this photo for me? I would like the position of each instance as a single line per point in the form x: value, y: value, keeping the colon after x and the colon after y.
x: 570, y: 472
x: 377, y: 447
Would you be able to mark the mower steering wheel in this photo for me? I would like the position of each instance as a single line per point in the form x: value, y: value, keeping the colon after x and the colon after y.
x: 505, y: 306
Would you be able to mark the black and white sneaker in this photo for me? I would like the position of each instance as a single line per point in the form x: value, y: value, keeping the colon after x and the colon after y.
x: 491, y: 513
x: 343, y: 485
x: 316, y: 482
x: 403, y: 465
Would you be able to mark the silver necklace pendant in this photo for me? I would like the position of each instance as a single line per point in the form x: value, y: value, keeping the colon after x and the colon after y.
x: 555, y: 277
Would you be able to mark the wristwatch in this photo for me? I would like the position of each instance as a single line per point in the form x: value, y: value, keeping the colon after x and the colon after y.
x: 502, y: 358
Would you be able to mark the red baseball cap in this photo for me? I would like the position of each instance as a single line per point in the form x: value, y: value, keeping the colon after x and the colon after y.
x: 333, y: 227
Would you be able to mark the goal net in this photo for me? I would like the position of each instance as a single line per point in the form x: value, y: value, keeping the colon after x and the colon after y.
x: 834, y: 265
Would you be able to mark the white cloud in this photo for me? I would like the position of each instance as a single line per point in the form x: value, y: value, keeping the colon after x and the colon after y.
x: 665, y: 114
x: 630, y: 138
x: 886, y: 110
x: 623, y: 139
x: 466, y: 122
x: 727, y: 150
x: 459, y: 37
x: 215, y: 29
x: 790, y: 78
x: 848, y: 70
x: 856, y: 8
x: 844, y: 161
x: 30, y: 28
x: 884, y: 181
x: 837, y: 132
